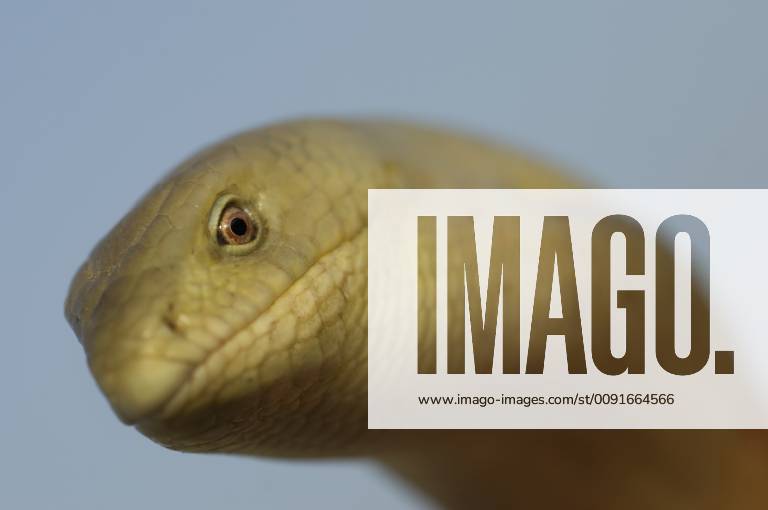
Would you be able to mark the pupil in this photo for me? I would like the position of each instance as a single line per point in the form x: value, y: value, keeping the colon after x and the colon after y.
x: 239, y: 227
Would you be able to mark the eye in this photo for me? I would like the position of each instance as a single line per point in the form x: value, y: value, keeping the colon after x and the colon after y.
x: 236, y: 226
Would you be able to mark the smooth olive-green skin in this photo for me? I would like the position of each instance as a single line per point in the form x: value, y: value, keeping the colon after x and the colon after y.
x: 207, y: 348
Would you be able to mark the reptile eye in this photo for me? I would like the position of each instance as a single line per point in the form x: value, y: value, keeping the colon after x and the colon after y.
x: 236, y: 226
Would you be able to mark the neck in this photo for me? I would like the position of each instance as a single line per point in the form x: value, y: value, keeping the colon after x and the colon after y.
x: 599, y: 469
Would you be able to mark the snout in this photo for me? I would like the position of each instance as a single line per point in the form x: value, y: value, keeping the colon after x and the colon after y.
x: 138, y: 360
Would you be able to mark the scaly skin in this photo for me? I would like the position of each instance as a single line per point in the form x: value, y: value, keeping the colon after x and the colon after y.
x: 208, y: 350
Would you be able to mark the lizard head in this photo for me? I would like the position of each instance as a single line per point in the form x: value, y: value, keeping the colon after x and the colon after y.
x: 227, y: 310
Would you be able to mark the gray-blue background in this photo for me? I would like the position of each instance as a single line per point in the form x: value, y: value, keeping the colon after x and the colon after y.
x: 97, y: 99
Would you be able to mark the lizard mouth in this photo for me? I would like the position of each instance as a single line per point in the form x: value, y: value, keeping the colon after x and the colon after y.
x: 267, y: 333
x: 138, y: 390
x: 152, y: 388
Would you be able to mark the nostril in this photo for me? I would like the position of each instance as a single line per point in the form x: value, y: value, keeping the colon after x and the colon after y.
x: 172, y: 319
x: 170, y: 322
